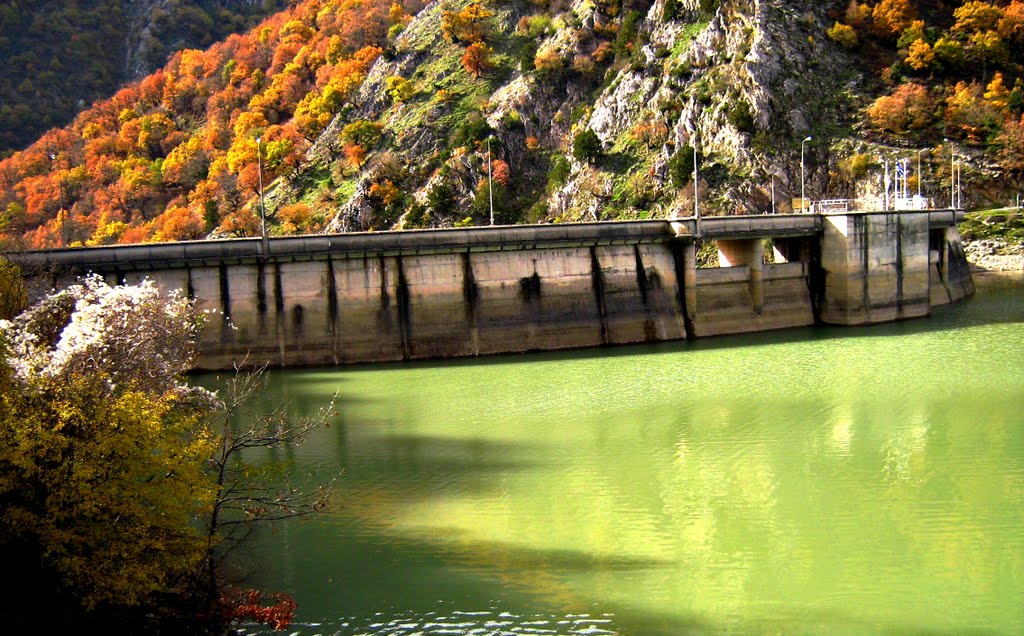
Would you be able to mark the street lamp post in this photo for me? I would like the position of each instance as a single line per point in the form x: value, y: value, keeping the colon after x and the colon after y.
x: 960, y: 187
x: 263, y: 209
x: 490, y: 186
x: 696, y: 209
x: 60, y: 197
x: 919, y: 173
x: 803, y: 195
x: 952, y: 177
x: 885, y: 185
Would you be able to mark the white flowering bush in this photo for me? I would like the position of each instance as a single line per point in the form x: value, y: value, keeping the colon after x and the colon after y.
x: 131, y: 336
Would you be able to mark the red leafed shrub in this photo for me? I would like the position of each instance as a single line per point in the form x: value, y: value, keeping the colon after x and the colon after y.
x: 248, y: 605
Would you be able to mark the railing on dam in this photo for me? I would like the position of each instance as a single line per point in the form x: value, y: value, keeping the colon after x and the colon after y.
x: 352, y: 245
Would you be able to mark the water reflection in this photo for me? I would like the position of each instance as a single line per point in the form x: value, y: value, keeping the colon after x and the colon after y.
x: 778, y: 484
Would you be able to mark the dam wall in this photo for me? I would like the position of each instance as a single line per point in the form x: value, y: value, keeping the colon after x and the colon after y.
x: 391, y: 296
x: 887, y: 266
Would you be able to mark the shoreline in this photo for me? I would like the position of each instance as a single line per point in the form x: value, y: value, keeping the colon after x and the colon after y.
x: 994, y: 255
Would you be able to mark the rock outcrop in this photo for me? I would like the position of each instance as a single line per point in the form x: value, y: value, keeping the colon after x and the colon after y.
x: 744, y: 81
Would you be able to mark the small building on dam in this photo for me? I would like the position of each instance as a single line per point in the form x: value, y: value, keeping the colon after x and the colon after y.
x: 390, y: 296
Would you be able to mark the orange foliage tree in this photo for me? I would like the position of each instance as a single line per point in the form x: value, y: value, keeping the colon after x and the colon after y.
x: 477, y: 59
x: 890, y: 17
x: 180, y: 143
x: 909, y: 108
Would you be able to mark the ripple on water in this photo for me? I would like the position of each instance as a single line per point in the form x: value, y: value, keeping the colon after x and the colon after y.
x: 459, y: 622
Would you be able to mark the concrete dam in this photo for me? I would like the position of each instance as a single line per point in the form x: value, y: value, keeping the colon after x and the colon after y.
x: 419, y: 294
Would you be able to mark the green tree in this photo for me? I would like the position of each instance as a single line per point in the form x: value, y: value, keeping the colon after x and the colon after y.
x: 399, y: 89
x: 586, y: 146
x: 362, y: 132
x: 844, y: 34
x: 680, y: 167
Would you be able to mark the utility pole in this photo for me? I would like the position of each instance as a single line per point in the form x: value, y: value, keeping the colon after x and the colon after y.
x: 960, y: 191
x: 773, y: 194
x: 919, y: 173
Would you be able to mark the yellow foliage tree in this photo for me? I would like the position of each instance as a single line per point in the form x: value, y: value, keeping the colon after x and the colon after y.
x: 891, y: 17
x: 101, y: 469
x: 920, y: 56
x: 400, y: 89
x: 120, y: 485
x: 857, y: 14
x: 974, y: 16
x: 1011, y: 26
x: 996, y: 91
x: 844, y: 34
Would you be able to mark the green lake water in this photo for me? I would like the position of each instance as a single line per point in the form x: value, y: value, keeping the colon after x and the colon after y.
x: 808, y: 481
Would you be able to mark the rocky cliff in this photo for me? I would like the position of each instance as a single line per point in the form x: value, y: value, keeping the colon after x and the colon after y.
x: 743, y: 81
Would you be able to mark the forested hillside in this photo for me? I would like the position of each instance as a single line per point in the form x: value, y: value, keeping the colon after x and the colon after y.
x: 60, y: 56
x: 368, y: 114
x: 945, y: 71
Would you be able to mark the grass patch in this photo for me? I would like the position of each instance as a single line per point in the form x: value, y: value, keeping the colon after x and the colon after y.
x: 346, y: 189
x: 1003, y: 225
x: 686, y: 37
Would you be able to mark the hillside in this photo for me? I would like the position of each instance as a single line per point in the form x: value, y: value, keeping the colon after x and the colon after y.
x: 363, y: 114
x: 61, y: 56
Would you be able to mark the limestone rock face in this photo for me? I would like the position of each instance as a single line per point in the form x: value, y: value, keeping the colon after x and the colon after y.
x: 744, y: 81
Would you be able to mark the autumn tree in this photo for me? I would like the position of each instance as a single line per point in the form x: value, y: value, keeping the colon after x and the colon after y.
x: 996, y: 92
x: 355, y: 155
x: 843, y: 34
x: 362, y: 132
x: 1011, y: 25
x: 920, y: 56
x: 1010, y: 143
x: 13, y: 296
x: 181, y: 138
x: 975, y: 16
x: 967, y: 111
x: 359, y: 137
x: 477, y: 59
x: 119, y: 481
x: 909, y: 108
x: 949, y: 52
x: 399, y: 89
x: 858, y: 14
x: 101, y: 470
x: 889, y: 18
x: 468, y: 25
x: 548, y: 61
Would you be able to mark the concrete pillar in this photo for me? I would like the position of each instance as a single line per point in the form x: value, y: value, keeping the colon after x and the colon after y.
x: 956, y: 274
x: 876, y: 267
x: 690, y: 278
x: 748, y: 252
